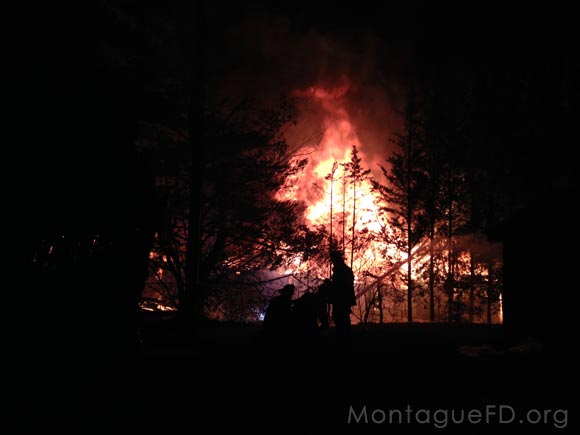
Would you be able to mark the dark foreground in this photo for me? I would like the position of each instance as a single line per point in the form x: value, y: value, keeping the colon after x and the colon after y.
x: 229, y: 379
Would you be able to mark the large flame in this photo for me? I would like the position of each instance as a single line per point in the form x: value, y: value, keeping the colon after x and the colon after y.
x: 330, y: 197
x: 334, y: 203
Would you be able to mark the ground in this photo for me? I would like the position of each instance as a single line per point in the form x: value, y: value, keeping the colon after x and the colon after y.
x: 230, y: 379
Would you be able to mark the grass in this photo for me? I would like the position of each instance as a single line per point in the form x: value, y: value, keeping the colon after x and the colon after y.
x: 229, y: 379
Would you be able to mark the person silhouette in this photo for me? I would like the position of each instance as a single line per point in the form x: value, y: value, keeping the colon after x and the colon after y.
x: 278, y: 317
x: 310, y: 313
x: 342, y: 295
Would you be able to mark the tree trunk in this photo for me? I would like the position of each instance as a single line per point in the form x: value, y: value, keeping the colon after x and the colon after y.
x: 450, y: 285
x: 489, y: 292
x: 193, y: 302
x: 432, y: 273
x: 180, y: 284
x: 410, y: 139
x: 343, y: 210
x: 409, y: 286
x: 380, y: 300
x: 367, y: 309
x: 353, y: 222
x: 488, y: 307
x: 330, y: 241
x: 471, y: 288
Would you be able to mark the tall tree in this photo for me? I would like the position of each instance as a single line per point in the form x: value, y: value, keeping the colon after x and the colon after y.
x: 330, y: 177
x: 433, y: 166
x: 448, y: 141
x: 245, y: 225
x: 401, y: 197
x: 354, y: 172
x: 191, y: 29
x: 344, y: 183
x: 89, y: 203
x: 455, y: 218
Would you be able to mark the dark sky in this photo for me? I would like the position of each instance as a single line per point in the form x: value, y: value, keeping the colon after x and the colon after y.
x: 454, y: 28
x: 407, y: 36
x: 522, y: 60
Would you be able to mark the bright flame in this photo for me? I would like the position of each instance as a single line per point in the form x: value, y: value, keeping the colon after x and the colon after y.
x: 322, y: 189
x: 329, y: 196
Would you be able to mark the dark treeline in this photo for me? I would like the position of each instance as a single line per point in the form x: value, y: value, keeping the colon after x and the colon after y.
x: 87, y: 209
x: 501, y: 103
x: 119, y: 150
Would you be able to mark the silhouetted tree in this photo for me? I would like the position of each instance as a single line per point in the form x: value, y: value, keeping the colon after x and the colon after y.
x: 245, y: 225
x: 493, y: 288
x: 401, y: 198
x: 343, y: 217
x: 89, y: 203
x: 433, y: 166
x: 455, y: 218
x: 356, y: 174
x: 330, y: 177
x: 193, y: 39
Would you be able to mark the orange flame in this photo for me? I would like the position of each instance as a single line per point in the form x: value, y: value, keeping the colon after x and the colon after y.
x: 322, y: 190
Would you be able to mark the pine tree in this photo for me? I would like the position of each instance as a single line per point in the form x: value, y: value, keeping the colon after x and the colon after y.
x: 356, y: 174
x: 330, y: 177
x: 401, y: 197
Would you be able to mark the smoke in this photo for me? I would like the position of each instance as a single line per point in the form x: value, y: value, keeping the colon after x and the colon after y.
x: 266, y: 60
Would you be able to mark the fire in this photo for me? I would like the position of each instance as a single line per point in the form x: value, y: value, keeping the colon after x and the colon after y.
x: 338, y: 137
x: 334, y: 202
x: 351, y: 217
x: 324, y: 190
